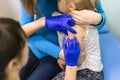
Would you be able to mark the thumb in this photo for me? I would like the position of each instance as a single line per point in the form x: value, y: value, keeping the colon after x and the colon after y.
x: 74, y: 12
x: 71, y: 22
x: 63, y: 31
x: 70, y: 29
x: 64, y: 44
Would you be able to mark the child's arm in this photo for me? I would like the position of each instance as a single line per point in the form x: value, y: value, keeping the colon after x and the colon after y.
x: 70, y: 73
x: 71, y: 48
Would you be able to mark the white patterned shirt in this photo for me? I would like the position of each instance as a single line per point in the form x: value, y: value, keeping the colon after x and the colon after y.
x: 92, y: 49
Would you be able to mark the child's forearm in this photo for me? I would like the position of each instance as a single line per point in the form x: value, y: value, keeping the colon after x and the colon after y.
x: 70, y: 73
x: 33, y: 26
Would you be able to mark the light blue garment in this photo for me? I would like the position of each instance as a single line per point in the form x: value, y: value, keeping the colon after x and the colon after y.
x: 44, y: 41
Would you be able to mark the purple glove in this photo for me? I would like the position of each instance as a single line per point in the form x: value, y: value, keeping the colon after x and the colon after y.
x: 71, y: 51
x: 60, y: 23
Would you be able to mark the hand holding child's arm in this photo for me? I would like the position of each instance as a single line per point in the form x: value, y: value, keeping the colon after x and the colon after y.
x: 71, y: 54
x: 56, y: 23
x: 71, y: 51
x: 86, y: 17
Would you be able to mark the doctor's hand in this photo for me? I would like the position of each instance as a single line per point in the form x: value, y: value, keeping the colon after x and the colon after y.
x: 86, y: 17
x: 71, y: 51
x: 60, y: 23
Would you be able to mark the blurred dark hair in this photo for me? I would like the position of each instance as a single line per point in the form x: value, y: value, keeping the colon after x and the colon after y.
x: 12, y: 42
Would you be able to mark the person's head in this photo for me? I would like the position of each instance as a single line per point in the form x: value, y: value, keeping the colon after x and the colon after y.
x: 66, y: 6
x: 13, y: 49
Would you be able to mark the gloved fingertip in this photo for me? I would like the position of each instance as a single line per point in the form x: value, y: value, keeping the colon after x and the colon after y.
x: 71, y: 23
x: 75, y: 38
x: 68, y: 40
x: 64, y: 31
x: 64, y: 43
x: 71, y: 30
x: 74, y: 32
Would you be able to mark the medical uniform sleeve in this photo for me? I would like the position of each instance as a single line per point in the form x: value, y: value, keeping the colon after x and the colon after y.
x: 24, y: 16
x: 45, y: 46
x: 40, y: 42
x: 100, y: 10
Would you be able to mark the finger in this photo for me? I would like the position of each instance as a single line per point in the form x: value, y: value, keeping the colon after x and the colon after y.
x: 64, y: 43
x: 60, y: 61
x: 76, y: 17
x: 71, y: 22
x: 74, y: 12
x: 77, y: 20
x: 75, y: 41
x: 70, y: 29
x: 63, y: 31
x: 68, y: 40
x: 70, y: 44
x: 62, y: 67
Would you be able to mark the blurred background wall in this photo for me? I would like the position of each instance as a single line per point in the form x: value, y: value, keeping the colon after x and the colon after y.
x: 10, y: 8
x: 112, y: 10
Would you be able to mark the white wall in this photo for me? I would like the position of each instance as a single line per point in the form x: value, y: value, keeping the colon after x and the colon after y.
x: 112, y: 10
x: 9, y: 8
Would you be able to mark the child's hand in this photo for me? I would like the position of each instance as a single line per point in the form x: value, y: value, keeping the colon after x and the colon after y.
x: 71, y: 51
x: 61, y: 54
x: 61, y: 63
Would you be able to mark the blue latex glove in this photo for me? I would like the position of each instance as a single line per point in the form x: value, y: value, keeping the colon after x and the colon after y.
x: 71, y: 51
x: 60, y: 23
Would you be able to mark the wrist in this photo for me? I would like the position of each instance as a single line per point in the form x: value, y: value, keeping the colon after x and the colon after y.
x: 43, y: 21
x: 70, y: 73
x: 71, y: 67
x: 68, y: 63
